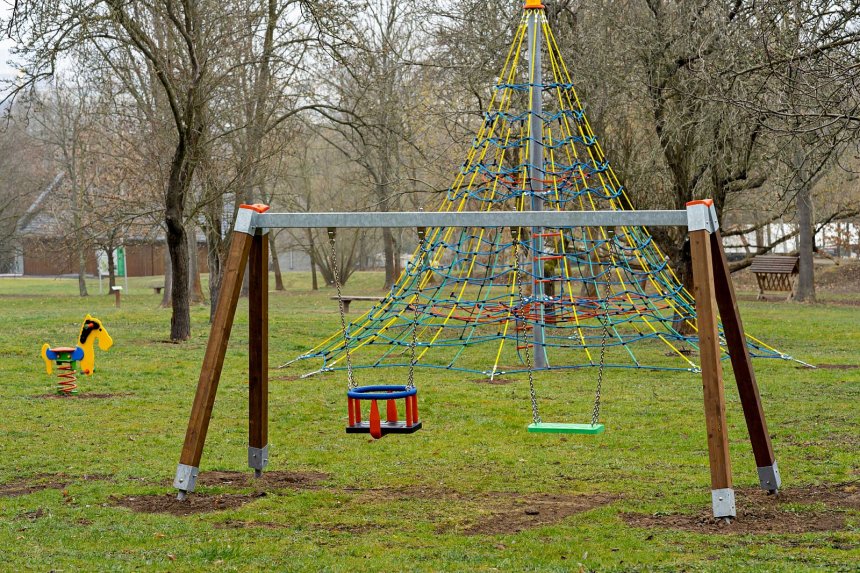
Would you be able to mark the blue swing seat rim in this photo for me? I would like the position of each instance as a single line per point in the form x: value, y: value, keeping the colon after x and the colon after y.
x: 382, y: 392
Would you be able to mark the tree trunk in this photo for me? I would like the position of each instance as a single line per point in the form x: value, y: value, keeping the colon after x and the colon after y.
x: 388, y: 250
x: 246, y: 279
x: 685, y: 274
x: 311, y: 250
x: 79, y: 239
x: 398, y: 265
x: 276, y: 264
x: 215, y: 247
x: 111, y: 270
x: 213, y: 251
x: 177, y: 246
x: 806, y: 278
x: 179, y: 181
x: 168, y: 280
x: 82, y: 272
x: 195, y: 287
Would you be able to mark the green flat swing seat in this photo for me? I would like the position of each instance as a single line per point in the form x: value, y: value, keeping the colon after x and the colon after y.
x: 557, y: 428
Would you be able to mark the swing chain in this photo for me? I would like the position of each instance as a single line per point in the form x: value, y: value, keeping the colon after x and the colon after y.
x: 595, y: 413
x: 515, y: 233
x: 604, y: 322
x: 410, y: 381
x: 350, y: 381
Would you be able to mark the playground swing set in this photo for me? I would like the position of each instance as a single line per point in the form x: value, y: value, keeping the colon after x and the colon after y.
x: 585, y: 179
x: 713, y: 291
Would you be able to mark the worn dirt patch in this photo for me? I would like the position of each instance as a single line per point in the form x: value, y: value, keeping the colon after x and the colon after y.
x: 844, y: 495
x: 838, y: 366
x: 239, y: 524
x: 761, y: 513
x: 269, y: 481
x: 512, y: 513
x: 352, y: 529
x: 504, y: 512
x: 842, y: 278
x: 749, y: 520
x: 291, y: 378
x: 493, y: 381
x: 202, y: 502
x: 403, y: 493
x: 34, y: 515
x: 685, y: 351
x: 26, y: 486
x: 196, y: 502
x: 82, y: 396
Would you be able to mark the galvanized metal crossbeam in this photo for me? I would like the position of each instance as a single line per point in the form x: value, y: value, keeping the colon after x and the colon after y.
x: 405, y: 219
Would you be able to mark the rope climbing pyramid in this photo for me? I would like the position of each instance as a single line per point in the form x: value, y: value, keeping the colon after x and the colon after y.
x: 567, y: 297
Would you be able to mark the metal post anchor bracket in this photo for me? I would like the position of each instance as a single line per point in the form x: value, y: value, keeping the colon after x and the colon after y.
x: 258, y: 459
x: 701, y: 216
x: 769, y: 478
x: 723, y: 502
x: 186, y: 479
x: 246, y: 219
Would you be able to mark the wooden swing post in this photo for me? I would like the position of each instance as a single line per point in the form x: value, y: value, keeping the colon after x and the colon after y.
x: 258, y: 353
x: 244, y: 234
x: 733, y: 330
x: 713, y: 291
x: 722, y: 493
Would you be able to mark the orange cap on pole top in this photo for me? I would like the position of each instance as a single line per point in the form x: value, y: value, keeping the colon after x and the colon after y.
x: 258, y: 207
x: 533, y: 5
x: 705, y: 202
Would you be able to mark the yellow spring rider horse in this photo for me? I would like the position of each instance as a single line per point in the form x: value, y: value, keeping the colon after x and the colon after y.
x: 67, y: 357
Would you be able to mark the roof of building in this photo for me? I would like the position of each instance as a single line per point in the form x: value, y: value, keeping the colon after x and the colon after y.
x: 41, y: 221
x: 38, y: 221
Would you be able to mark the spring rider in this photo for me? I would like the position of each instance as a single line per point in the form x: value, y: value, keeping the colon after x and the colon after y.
x: 67, y: 357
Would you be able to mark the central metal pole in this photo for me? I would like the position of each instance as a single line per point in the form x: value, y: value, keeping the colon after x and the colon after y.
x: 536, y: 175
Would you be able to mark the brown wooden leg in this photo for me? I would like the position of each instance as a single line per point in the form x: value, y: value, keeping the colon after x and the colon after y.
x: 213, y: 361
x: 258, y: 353
x: 722, y: 494
x: 733, y: 329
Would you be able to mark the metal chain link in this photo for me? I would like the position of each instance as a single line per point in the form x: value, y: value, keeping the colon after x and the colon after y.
x: 516, y: 238
x: 595, y: 413
x: 604, y: 322
x: 410, y: 379
x: 350, y: 380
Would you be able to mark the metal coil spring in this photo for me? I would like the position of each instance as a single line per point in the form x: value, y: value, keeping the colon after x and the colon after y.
x: 67, y: 378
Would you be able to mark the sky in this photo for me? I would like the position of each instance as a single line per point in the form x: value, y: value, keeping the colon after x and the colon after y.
x: 6, y: 71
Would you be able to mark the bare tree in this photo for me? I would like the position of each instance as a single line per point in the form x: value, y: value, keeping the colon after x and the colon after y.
x: 65, y: 124
x: 28, y: 168
x: 375, y: 78
x: 177, y: 41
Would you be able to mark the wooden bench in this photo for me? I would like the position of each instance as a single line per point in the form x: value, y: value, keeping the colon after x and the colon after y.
x: 347, y: 299
x: 157, y: 288
x: 775, y: 273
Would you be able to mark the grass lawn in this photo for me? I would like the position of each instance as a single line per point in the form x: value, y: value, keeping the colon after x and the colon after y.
x: 472, y: 491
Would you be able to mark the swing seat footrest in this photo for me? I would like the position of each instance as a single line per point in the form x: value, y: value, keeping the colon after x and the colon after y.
x: 386, y: 427
x: 556, y: 428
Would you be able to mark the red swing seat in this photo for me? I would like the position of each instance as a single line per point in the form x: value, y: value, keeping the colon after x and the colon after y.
x: 375, y: 426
